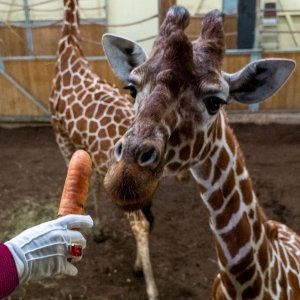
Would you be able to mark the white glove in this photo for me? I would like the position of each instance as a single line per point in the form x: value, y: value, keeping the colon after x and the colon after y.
x: 42, y: 251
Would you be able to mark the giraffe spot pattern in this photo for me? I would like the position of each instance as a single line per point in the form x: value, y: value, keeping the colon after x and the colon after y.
x: 223, y: 159
x: 263, y: 256
x: 205, y: 151
x: 174, y: 166
x: 230, y: 288
x: 185, y: 152
x: 216, y: 200
x: 234, y: 240
x: 244, y: 263
x: 229, y: 141
x: 232, y: 207
x: 246, y: 188
x: 206, y: 169
x: 254, y: 290
x: 175, y: 140
x: 229, y: 184
x: 91, y: 113
x: 170, y: 155
x: 246, y: 275
x: 221, y: 255
x: 199, y: 141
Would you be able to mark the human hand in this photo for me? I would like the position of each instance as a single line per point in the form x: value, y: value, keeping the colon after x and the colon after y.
x: 42, y: 251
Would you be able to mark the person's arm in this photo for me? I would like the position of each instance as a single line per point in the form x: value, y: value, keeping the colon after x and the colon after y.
x: 8, y: 272
x: 41, y: 251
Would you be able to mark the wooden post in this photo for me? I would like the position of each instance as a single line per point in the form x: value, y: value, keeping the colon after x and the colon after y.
x: 246, y: 24
x: 163, y: 8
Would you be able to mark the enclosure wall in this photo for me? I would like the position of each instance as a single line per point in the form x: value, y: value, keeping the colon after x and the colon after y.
x: 35, y: 74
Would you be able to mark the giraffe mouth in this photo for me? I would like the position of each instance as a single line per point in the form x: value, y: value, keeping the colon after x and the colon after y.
x: 128, y: 188
x: 130, y: 198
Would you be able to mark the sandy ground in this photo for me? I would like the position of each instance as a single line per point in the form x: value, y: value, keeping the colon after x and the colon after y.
x: 32, y: 173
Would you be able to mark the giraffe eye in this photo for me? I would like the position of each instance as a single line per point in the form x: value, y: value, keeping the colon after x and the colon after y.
x: 132, y: 89
x: 213, y: 104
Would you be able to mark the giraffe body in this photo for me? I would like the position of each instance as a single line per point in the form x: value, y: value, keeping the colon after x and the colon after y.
x: 181, y: 124
x: 89, y: 113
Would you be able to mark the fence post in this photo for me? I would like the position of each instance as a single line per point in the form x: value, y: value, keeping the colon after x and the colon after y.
x: 163, y: 7
x: 28, y: 28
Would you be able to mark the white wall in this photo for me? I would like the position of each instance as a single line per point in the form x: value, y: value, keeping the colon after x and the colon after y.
x: 200, y: 6
x: 125, y: 12
x: 52, y: 10
x: 121, y: 12
x: 129, y: 11
x: 288, y: 20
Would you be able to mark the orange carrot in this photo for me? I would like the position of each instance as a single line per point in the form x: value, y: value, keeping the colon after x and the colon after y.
x: 76, y: 185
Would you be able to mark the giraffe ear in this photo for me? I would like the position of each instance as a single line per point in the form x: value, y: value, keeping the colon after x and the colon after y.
x: 259, y: 80
x: 122, y: 54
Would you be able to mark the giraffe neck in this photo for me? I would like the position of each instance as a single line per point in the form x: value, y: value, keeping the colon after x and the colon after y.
x: 71, y: 18
x: 70, y: 57
x: 235, y: 217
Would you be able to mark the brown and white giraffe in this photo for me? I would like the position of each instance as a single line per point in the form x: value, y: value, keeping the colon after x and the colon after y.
x: 89, y: 113
x: 181, y: 124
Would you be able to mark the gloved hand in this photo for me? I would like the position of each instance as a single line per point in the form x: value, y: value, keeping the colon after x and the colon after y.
x: 42, y: 251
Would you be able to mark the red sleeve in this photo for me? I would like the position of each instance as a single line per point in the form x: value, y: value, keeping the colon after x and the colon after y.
x: 9, y: 279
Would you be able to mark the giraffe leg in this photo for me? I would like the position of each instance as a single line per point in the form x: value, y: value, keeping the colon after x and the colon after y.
x: 98, y: 232
x: 140, y: 228
x: 65, y: 146
x: 138, y: 266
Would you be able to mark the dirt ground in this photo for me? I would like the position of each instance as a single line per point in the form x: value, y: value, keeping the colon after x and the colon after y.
x: 32, y: 174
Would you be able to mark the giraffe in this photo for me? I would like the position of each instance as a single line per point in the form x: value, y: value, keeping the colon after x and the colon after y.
x: 89, y: 113
x: 181, y: 124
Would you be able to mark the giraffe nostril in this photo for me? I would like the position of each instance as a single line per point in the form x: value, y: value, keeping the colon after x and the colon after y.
x: 118, y: 150
x: 148, y: 155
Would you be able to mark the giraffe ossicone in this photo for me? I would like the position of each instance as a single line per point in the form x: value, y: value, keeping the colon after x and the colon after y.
x: 181, y: 124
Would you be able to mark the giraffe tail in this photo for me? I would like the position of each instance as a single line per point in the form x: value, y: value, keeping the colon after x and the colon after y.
x: 71, y: 18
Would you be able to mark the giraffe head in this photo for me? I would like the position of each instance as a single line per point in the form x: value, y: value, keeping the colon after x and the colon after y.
x: 179, y: 91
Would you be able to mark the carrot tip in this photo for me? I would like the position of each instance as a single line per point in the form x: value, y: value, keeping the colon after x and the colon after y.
x: 76, y: 185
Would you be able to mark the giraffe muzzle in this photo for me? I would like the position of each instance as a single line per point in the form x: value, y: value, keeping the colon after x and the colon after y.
x: 133, y: 176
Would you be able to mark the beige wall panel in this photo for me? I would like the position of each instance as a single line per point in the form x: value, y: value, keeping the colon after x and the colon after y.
x: 230, y: 28
x: 45, y: 40
x: 200, y: 6
x: 234, y: 62
x: 91, y: 39
x: 194, y: 29
x: 13, y: 41
x: 15, y: 103
x: 36, y: 76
